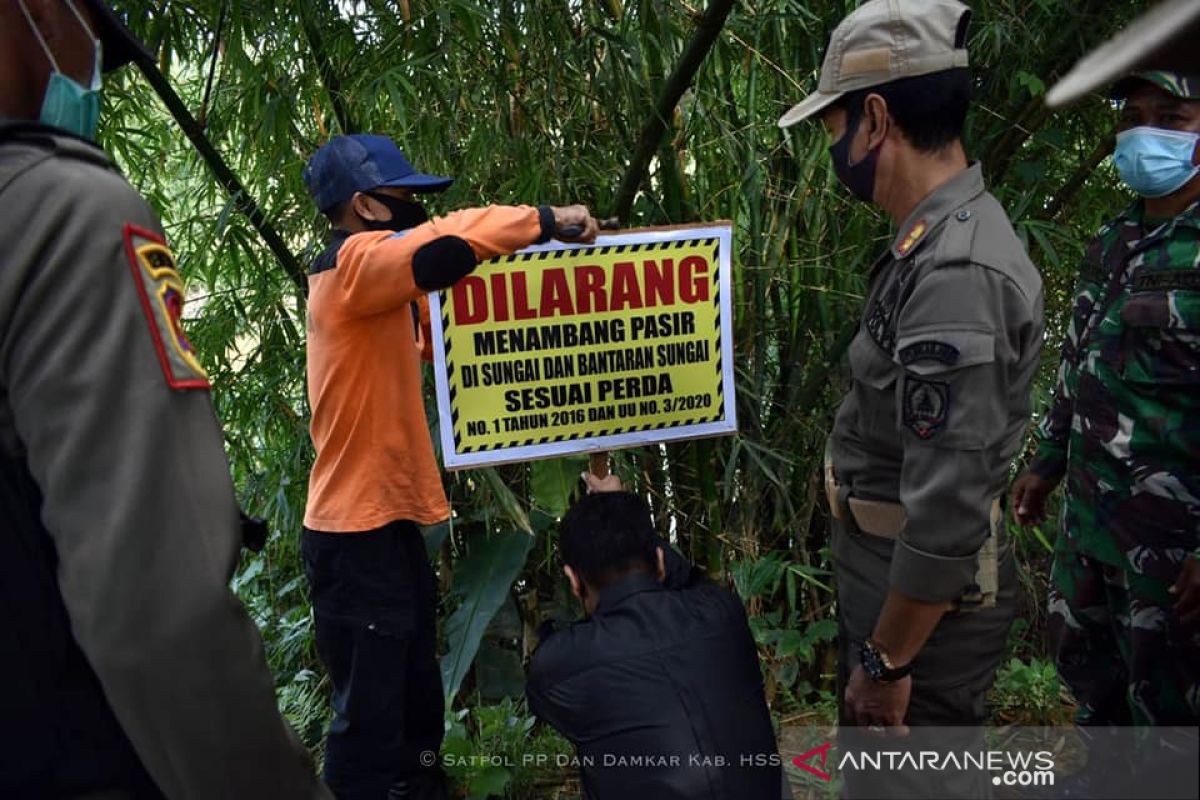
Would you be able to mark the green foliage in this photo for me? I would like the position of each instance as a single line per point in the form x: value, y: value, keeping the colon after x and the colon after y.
x: 498, y: 751
x: 481, y: 584
x: 543, y: 101
x: 1029, y: 694
x: 553, y: 481
x: 792, y: 644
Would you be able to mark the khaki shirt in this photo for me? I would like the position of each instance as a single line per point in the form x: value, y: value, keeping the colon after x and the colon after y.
x: 942, y: 366
x: 104, y: 406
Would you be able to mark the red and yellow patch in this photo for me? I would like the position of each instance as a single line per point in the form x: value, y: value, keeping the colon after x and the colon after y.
x: 161, y: 291
x: 912, y: 237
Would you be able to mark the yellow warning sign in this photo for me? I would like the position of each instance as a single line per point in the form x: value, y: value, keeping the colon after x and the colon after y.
x: 564, y: 348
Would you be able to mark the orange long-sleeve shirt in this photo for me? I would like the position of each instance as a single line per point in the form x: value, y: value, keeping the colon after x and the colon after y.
x: 375, y: 461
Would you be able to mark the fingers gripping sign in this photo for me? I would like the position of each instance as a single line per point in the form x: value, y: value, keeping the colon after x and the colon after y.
x: 575, y: 224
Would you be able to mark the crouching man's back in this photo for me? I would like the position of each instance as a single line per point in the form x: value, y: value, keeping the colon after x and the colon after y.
x: 659, y: 688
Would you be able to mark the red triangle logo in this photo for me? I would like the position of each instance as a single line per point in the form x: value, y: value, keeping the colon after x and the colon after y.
x: 823, y: 752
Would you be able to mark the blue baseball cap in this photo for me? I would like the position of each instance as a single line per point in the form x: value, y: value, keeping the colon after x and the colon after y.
x: 361, y: 162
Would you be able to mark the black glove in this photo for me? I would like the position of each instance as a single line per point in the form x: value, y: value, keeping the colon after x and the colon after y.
x: 254, y: 532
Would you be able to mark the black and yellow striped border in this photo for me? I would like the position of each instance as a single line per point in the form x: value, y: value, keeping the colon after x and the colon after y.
x: 602, y: 250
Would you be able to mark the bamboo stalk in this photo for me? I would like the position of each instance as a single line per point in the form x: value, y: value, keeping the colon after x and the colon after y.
x: 222, y: 171
x: 329, y: 78
x: 656, y: 125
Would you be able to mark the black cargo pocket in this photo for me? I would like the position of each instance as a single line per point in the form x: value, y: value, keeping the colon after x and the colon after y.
x: 1161, y: 340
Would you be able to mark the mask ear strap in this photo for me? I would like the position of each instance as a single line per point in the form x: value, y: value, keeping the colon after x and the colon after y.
x: 95, y: 42
x: 79, y: 17
x: 38, y: 34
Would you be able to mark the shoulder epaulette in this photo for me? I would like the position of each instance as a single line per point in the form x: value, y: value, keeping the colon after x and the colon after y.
x: 957, y: 240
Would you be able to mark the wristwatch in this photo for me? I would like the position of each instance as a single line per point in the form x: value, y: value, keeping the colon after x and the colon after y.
x: 877, y: 665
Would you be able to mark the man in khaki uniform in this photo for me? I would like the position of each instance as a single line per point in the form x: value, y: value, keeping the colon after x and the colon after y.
x: 942, y: 366
x: 128, y: 669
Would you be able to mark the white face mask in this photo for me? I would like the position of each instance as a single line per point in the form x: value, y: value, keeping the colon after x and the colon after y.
x: 68, y: 105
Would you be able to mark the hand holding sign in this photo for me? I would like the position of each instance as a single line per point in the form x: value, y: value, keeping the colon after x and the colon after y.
x: 573, y: 230
x: 596, y: 484
x: 574, y: 224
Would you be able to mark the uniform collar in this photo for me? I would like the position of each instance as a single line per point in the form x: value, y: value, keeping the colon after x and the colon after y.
x: 616, y: 593
x: 1136, y: 213
x: 937, y: 205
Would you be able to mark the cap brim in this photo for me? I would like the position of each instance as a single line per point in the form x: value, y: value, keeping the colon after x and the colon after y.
x: 120, y: 46
x: 810, y: 105
x: 1162, y: 39
x: 421, y: 183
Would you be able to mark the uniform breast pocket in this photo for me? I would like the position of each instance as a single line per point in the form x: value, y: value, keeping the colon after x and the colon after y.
x: 874, y: 387
x: 870, y: 364
x: 1161, y: 338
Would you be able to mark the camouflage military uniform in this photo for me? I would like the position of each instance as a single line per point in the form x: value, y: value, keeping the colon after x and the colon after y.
x: 1124, y: 427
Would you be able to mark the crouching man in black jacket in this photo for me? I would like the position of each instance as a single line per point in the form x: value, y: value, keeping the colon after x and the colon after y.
x: 659, y: 687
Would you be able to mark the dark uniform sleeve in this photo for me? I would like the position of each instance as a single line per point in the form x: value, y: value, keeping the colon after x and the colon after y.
x: 952, y: 413
x: 110, y: 407
x: 1054, y: 430
x: 550, y: 700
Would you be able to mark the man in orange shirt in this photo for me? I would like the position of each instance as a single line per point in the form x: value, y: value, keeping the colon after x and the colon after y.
x: 375, y: 479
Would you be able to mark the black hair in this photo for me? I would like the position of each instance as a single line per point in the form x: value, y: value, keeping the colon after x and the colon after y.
x: 930, y: 110
x: 336, y: 214
x: 607, y: 535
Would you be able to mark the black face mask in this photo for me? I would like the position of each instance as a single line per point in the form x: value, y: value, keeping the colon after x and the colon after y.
x: 858, y: 178
x: 405, y: 213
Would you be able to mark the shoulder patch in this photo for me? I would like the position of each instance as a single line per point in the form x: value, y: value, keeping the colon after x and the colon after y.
x: 926, y: 406
x: 914, y: 235
x: 931, y: 350
x: 160, y: 290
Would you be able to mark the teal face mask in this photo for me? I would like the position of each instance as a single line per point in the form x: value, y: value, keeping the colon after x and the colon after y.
x: 1155, y: 162
x: 67, y: 104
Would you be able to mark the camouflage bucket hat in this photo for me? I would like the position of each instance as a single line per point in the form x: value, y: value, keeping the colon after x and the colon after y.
x: 1182, y: 85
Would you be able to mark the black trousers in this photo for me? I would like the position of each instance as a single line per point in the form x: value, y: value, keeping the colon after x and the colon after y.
x: 374, y: 598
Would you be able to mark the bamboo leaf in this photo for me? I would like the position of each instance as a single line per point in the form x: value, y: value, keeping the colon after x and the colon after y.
x: 553, y: 481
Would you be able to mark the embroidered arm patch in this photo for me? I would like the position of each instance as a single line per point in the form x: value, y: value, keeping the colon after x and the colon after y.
x: 930, y: 349
x: 926, y: 406
x: 160, y: 290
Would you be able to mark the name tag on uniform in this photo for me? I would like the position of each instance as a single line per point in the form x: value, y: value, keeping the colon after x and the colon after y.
x: 1163, y: 280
